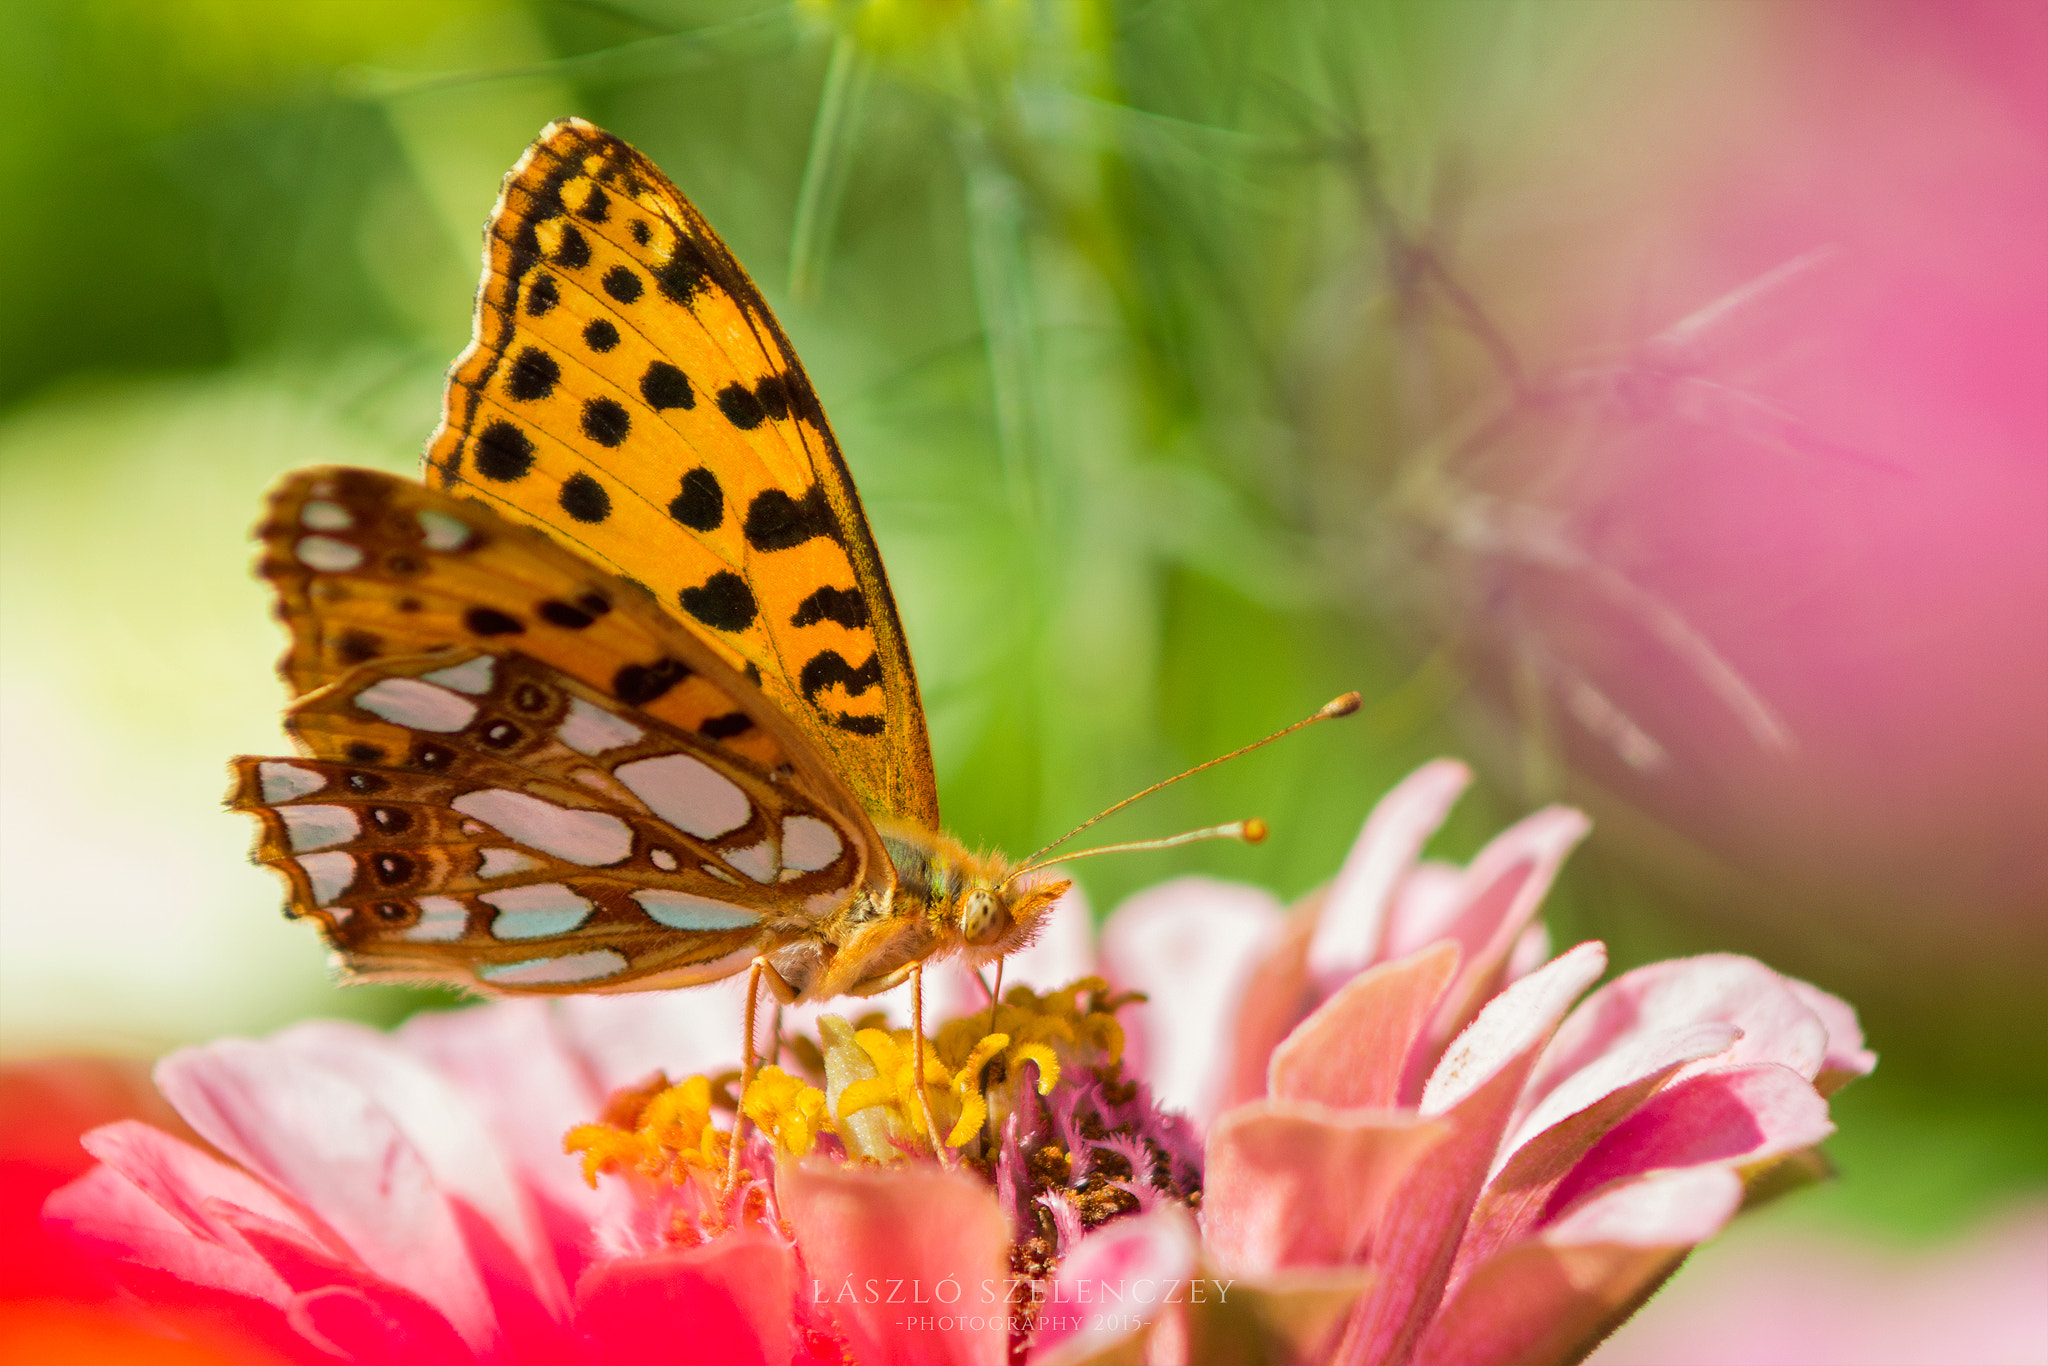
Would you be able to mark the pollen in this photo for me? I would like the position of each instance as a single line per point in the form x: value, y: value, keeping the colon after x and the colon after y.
x: 788, y: 1109
x: 655, y: 1129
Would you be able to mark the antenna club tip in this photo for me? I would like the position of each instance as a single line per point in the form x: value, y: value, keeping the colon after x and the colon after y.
x: 1343, y: 706
x: 1255, y: 831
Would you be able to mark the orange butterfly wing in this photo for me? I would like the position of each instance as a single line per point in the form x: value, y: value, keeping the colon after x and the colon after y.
x: 629, y: 393
x: 520, y: 773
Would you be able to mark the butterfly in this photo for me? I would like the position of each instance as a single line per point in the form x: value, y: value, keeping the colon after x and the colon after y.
x: 619, y: 699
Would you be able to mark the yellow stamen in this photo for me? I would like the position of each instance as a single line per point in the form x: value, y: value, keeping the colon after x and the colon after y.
x: 671, y: 1133
x: 787, y: 1110
x: 966, y: 1089
x: 1048, y: 1064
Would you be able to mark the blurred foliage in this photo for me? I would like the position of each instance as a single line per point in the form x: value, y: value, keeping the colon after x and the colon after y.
x: 1134, y: 320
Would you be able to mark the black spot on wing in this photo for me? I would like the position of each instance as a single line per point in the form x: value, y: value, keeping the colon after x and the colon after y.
x: 828, y: 668
x: 845, y: 606
x: 503, y: 452
x: 357, y: 647
x: 585, y: 499
x: 857, y: 725
x: 394, y: 869
x: 726, y: 726
x: 362, y: 753
x: 597, y: 604
x: 600, y: 336
x: 597, y: 205
x: 638, y: 684
x: 664, y: 386
x: 605, y: 421
x: 557, y: 613
x: 489, y: 621
x: 501, y: 734
x: 542, y: 295
x: 776, y: 521
x: 622, y: 284
x: 701, y: 504
x: 723, y: 601
x: 740, y: 407
x: 533, y: 376
x: 573, y: 251
x: 685, y: 274
x: 641, y: 232
x: 773, y: 396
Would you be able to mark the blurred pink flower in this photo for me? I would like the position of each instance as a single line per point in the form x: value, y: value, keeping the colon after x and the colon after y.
x: 1415, y: 1151
x: 1774, y: 1297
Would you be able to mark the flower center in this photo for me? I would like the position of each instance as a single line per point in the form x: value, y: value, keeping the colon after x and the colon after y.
x: 1030, y: 1093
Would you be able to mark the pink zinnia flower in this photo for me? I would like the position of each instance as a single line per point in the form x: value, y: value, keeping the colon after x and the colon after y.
x: 1401, y: 1145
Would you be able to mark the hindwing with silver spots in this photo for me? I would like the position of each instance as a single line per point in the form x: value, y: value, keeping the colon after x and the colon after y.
x: 482, y: 815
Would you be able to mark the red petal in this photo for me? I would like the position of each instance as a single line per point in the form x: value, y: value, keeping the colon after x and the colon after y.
x: 936, y: 1239
x: 727, y: 1301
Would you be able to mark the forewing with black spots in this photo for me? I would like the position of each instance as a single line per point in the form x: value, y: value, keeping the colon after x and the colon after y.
x: 629, y: 393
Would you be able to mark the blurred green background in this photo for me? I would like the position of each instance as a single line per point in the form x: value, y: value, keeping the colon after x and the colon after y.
x: 1197, y: 361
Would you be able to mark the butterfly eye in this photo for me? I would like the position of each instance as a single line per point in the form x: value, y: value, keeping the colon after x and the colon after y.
x: 390, y: 820
x: 395, y: 870
x: 980, y: 916
x: 502, y: 735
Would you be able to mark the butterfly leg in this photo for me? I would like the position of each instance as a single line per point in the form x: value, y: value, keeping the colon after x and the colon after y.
x: 739, y: 1118
x: 995, y: 997
x: 917, y: 1046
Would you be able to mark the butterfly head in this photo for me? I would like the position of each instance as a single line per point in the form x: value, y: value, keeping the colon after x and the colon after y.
x: 997, y: 917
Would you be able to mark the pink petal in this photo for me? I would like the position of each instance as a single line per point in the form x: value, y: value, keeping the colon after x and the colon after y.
x: 928, y: 1232
x: 1353, y: 1051
x: 1720, y: 1118
x: 1632, y: 1060
x: 1112, y: 1284
x: 115, y: 1219
x: 1549, y: 1300
x: 1277, y: 995
x: 463, y: 1154
x: 1474, y: 1089
x: 1564, y: 1129
x: 1531, y: 951
x: 725, y: 1301
x: 1503, y: 888
x: 318, y: 1135
x: 1512, y: 1023
x: 1353, y: 919
x: 624, y: 1038
x: 1426, y: 906
x: 482, y: 1049
x: 188, y: 1184
x: 337, y: 1304
x: 1847, y: 1058
x: 1777, y: 1026
x: 1191, y: 946
x: 1289, y: 1184
x: 1769, y: 1295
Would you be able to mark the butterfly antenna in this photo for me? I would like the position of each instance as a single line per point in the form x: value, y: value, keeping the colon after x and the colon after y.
x: 1251, y: 831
